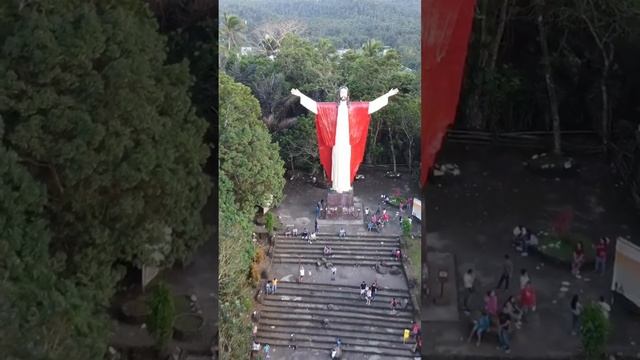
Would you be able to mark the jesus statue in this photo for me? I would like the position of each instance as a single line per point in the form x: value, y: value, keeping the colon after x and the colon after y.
x: 342, y: 134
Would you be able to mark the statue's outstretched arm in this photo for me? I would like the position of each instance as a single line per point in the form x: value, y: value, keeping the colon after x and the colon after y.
x: 381, y: 102
x: 306, y: 101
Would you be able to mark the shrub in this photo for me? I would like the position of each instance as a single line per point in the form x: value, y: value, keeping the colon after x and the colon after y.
x: 406, y: 227
x: 162, y: 314
x: 269, y: 223
x: 561, y: 246
x: 594, y: 331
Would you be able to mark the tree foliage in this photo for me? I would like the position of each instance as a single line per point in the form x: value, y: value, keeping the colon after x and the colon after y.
x: 236, y: 254
x: 42, y: 315
x: 248, y: 157
x: 347, y: 24
x: 103, y: 124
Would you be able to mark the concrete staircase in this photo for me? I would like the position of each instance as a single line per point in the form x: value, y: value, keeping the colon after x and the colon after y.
x: 350, y: 250
x: 371, y: 330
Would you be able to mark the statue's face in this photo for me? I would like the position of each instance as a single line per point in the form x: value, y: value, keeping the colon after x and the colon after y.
x: 343, y: 93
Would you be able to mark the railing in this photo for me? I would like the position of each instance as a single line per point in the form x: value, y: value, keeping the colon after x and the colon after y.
x: 572, y: 141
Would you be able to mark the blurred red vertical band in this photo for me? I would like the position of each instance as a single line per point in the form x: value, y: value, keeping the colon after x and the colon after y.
x: 446, y: 26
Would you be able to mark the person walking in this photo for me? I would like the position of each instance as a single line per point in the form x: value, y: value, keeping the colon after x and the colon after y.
x: 374, y: 289
x: 415, y: 330
x: 406, y: 335
x: 394, y: 304
x: 601, y: 256
x: 275, y: 285
x: 333, y: 272
x: 269, y: 288
x: 468, y: 279
x: 318, y: 210
x: 417, y: 348
x: 578, y: 260
x: 363, y: 290
x: 368, y: 291
x: 507, y: 271
x: 504, y: 324
x: 524, y: 278
x: 576, y: 311
x: 301, y: 278
x: 316, y: 226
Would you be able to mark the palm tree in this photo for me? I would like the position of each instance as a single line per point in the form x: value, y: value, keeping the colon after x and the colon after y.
x: 232, y: 28
x: 372, y: 48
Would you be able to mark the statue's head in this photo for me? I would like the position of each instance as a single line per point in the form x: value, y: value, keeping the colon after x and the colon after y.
x: 344, y: 93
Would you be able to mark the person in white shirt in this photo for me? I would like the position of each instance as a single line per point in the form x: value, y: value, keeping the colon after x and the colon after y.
x: 524, y: 278
x: 468, y: 279
x: 301, y: 273
x: 606, y: 308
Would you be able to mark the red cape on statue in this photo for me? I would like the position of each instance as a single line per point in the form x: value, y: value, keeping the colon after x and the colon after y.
x: 326, y: 120
x: 446, y: 25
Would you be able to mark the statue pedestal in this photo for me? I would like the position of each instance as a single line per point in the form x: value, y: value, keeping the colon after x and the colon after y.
x: 342, y: 210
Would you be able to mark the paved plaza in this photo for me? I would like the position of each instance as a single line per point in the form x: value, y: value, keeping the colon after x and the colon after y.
x: 469, y: 225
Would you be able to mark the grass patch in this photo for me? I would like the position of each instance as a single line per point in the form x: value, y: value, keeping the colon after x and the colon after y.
x: 414, y: 252
x: 561, y: 246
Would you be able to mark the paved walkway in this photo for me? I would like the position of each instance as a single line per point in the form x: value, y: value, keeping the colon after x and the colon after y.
x: 493, y: 194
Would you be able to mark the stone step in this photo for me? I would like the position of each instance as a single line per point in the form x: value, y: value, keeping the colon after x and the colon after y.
x: 362, y: 234
x: 375, y: 330
x: 352, y: 335
x: 363, y: 239
x: 333, y: 258
x: 402, y: 351
x: 383, y: 255
x: 376, y: 308
x: 323, y: 242
x: 336, y: 289
x: 318, y: 297
x: 330, y: 286
x: 295, y: 314
x: 339, y: 262
x: 338, y: 245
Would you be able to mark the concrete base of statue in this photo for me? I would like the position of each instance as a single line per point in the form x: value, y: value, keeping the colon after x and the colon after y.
x: 342, y: 210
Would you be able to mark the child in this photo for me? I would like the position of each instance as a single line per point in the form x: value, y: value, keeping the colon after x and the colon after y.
x: 528, y: 299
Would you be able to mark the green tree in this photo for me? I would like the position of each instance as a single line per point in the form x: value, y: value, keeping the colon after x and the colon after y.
x: 248, y: 157
x: 236, y: 253
x: 371, y: 76
x: 41, y: 314
x: 299, y: 145
x: 231, y: 31
x: 305, y: 67
x: 98, y: 118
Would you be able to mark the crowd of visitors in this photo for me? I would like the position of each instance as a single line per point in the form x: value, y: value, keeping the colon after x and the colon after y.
x: 510, y: 316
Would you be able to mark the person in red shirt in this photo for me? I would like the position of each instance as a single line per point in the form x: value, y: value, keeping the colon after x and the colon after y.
x: 527, y: 299
x: 415, y: 330
x: 601, y: 255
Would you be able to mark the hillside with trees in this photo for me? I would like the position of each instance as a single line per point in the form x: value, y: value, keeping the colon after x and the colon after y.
x: 347, y: 24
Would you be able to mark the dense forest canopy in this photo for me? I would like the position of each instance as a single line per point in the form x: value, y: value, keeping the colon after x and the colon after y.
x: 347, y: 24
